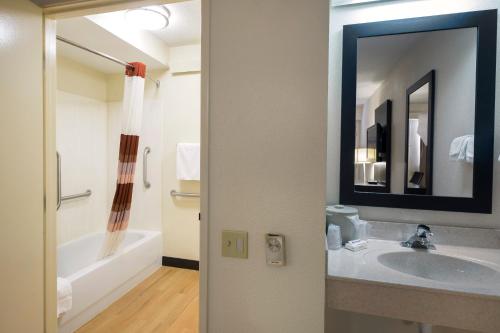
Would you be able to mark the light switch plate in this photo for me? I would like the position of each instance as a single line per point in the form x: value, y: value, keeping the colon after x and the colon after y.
x: 235, y: 244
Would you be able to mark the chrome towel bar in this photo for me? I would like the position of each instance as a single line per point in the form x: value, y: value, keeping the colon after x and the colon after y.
x: 174, y: 193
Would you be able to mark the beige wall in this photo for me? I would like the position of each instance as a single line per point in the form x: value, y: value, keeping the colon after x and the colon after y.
x: 267, y: 144
x: 77, y: 79
x: 379, y: 12
x: 181, y: 228
x: 21, y: 169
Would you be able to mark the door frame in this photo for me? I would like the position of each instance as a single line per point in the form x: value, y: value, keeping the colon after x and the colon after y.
x: 51, y: 14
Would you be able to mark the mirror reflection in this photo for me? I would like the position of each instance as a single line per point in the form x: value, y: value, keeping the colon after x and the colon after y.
x: 418, y: 135
x: 415, y: 113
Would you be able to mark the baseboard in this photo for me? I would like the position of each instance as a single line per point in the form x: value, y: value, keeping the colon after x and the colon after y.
x: 181, y: 263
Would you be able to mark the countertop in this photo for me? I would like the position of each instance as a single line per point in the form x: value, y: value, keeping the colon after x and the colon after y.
x: 364, y: 266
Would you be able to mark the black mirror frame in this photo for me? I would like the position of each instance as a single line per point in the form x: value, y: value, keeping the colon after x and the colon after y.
x: 481, y: 201
x: 428, y: 78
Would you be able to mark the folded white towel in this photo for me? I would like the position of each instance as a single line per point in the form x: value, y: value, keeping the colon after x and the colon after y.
x: 462, y: 149
x: 64, y: 296
x: 188, y: 161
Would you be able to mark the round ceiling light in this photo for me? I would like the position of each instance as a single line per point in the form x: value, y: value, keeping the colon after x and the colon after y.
x: 148, y: 18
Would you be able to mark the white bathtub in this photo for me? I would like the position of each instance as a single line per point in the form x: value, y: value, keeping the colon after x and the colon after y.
x: 98, y: 283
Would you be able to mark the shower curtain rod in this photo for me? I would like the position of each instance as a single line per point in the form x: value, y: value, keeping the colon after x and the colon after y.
x: 103, y: 55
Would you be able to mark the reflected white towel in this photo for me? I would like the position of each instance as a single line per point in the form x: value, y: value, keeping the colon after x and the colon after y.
x: 64, y: 296
x: 462, y: 149
x: 414, y: 139
x: 188, y: 161
x: 422, y: 127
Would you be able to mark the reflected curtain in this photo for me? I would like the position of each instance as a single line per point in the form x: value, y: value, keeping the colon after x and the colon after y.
x: 131, y: 118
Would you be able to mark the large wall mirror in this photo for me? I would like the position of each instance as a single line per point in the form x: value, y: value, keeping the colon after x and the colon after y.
x: 418, y: 104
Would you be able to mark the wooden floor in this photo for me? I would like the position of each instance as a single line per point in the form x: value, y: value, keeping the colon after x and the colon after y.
x: 166, y: 302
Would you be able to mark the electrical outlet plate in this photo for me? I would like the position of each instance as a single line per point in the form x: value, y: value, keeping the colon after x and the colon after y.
x: 235, y: 244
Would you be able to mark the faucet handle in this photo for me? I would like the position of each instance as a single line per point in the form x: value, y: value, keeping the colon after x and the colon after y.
x: 424, y: 231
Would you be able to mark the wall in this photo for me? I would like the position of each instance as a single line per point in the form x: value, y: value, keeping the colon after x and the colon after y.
x: 379, y: 12
x: 81, y: 136
x: 181, y: 124
x: 267, y: 143
x: 88, y: 132
x: 75, y: 78
x: 452, y: 54
x: 22, y: 168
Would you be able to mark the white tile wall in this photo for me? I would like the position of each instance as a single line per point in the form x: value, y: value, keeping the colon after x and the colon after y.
x: 81, y: 135
x: 88, y: 138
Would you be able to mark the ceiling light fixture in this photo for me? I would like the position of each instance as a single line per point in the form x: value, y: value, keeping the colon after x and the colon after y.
x: 148, y: 18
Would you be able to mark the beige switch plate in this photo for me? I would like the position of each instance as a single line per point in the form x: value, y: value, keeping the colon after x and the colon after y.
x: 235, y: 244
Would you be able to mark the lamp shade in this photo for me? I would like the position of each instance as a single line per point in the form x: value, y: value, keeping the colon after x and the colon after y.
x: 364, y: 155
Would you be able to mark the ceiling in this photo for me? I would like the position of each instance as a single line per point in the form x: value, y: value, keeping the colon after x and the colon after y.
x: 377, y: 56
x: 185, y: 24
x: 184, y: 28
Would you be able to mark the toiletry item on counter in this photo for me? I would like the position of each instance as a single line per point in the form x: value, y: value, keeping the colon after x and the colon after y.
x: 356, y: 245
x: 333, y: 237
x: 351, y: 227
x: 362, y: 230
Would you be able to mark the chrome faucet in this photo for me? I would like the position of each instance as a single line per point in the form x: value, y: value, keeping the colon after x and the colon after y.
x: 421, y: 239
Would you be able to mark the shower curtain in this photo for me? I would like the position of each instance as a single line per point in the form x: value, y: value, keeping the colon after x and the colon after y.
x: 129, y: 142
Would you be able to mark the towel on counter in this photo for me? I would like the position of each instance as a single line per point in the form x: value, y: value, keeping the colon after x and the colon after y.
x: 188, y: 161
x: 64, y: 296
x: 462, y: 149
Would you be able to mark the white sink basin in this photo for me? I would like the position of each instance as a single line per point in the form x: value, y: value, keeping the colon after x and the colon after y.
x: 438, y: 267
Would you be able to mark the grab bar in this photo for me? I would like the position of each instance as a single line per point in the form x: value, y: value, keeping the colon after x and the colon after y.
x: 147, y: 184
x: 87, y: 193
x: 174, y: 193
x: 61, y: 198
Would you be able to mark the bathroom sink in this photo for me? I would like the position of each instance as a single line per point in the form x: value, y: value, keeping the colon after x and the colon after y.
x: 439, y: 267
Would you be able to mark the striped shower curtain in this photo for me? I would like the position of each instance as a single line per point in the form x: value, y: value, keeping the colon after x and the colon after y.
x: 129, y: 142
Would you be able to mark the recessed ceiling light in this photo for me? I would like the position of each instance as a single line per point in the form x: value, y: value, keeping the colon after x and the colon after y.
x: 148, y: 18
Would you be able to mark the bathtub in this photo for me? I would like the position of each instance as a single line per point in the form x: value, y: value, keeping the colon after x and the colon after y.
x: 98, y: 283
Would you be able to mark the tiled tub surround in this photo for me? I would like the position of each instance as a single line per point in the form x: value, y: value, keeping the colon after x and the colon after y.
x: 358, y: 282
